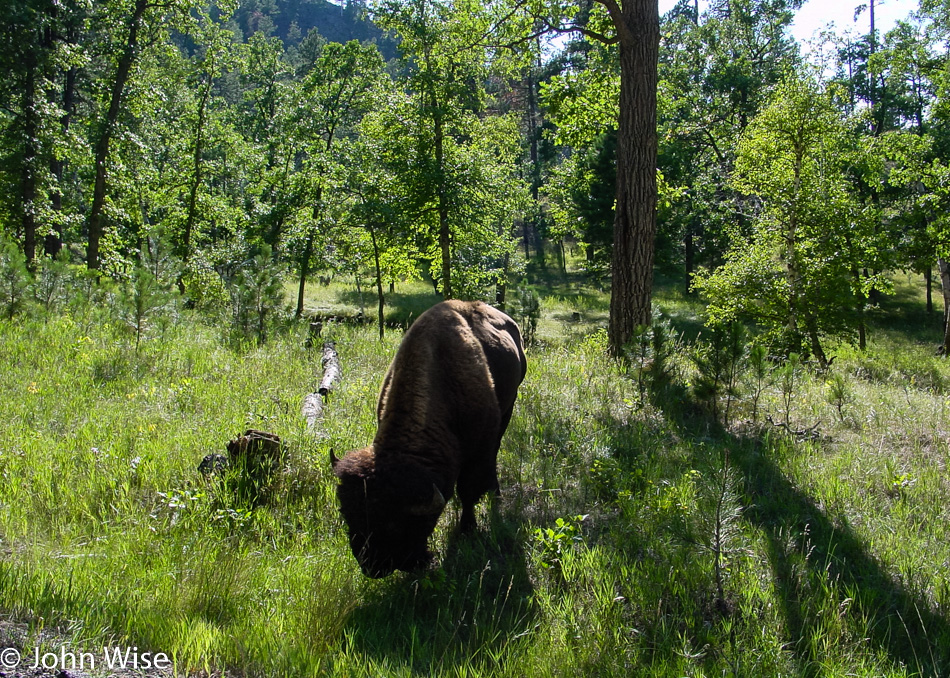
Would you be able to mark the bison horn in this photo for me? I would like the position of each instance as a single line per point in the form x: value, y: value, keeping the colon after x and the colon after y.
x: 434, y: 507
x: 333, y: 460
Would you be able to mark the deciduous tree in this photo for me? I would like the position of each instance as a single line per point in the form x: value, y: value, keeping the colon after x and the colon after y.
x: 128, y: 26
x: 795, y: 273
x: 344, y: 83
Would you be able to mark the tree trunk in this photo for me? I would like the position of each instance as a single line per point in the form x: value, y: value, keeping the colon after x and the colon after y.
x: 438, y: 142
x: 501, y: 289
x: 72, y: 14
x: 944, y: 269
x: 28, y: 179
x: 862, y: 329
x: 792, y: 272
x: 308, y: 250
x: 107, y: 127
x: 37, y: 56
x: 359, y: 291
x: 379, y: 284
x: 638, y: 28
x: 689, y: 262
x: 816, y: 349
x: 445, y: 239
x: 535, y: 166
x: 197, y: 168
x: 929, y: 279
x: 54, y: 241
x: 861, y: 302
x: 304, y: 272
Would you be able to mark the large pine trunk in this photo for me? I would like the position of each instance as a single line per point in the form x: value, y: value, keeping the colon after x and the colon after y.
x: 635, y: 218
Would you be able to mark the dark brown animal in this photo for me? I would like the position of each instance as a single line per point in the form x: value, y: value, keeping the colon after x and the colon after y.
x: 445, y: 403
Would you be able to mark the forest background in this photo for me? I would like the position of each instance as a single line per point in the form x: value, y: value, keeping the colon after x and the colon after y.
x: 463, y: 142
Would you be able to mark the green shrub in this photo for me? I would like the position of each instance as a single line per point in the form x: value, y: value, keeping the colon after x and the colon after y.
x: 51, y: 287
x: 204, y: 290
x: 257, y: 295
x: 526, y: 309
x: 758, y: 376
x: 839, y: 393
x: 649, y: 356
x: 142, y: 302
x: 14, y: 279
x: 788, y: 377
x: 720, y: 362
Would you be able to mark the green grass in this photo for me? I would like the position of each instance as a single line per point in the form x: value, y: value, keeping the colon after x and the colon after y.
x: 633, y: 537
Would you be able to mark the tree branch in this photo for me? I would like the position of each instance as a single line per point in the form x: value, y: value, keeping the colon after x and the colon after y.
x: 548, y: 27
x: 616, y: 15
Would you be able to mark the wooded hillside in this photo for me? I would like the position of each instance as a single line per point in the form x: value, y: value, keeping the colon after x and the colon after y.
x: 479, y: 149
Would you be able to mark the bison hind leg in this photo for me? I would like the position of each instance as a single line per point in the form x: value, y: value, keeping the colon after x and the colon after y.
x: 467, y: 522
x: 468, y: 495
x: 495, y: 487
x: 474, y: 481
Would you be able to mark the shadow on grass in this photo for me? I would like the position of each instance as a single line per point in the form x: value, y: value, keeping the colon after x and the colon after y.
x: 808, y: 551
x: 909, y: 321
x: 400, y: 309
x: 458, y: 615
x: 813, y: 557
x: 583, y: 297
x: 686, y: 326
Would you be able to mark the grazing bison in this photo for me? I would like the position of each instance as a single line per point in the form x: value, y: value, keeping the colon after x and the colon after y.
x: 445, y: 403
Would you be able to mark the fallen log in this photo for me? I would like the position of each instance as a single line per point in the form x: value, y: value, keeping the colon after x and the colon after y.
x: 331, y: 368
x: 312, y: 409
x: 811, y: 433
x: 313, y: 403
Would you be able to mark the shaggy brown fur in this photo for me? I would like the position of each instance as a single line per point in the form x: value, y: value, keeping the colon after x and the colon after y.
x: 445, y: 403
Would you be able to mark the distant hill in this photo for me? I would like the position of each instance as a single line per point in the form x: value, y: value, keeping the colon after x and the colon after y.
x: 292, y: 20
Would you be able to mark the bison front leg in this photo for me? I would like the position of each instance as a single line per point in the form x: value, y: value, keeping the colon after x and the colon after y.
x: 505, y: 420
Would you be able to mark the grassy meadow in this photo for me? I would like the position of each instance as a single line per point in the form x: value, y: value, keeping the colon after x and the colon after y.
x: 637, y: 533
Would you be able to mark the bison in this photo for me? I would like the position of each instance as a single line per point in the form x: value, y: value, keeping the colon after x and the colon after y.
x: 445, y: 403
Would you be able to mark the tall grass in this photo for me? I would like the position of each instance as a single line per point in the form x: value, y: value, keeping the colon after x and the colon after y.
x: 635, y: 536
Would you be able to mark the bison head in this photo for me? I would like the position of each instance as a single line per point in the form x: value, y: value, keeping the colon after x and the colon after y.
x: 389, y: 512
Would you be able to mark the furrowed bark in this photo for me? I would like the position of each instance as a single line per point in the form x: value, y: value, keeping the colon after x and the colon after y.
x: 638, y: 28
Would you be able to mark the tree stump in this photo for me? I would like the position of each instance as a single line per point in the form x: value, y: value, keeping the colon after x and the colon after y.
x: 253, y: 461
x: 316, y: 329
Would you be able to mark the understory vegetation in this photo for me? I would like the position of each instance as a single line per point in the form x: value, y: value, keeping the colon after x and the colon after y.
x: 701, y: 510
